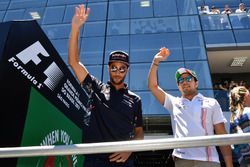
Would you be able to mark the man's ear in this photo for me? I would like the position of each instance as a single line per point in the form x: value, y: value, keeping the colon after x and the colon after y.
x: 196, y: 84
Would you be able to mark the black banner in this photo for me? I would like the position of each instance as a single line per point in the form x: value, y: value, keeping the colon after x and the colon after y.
x: 28, y: 61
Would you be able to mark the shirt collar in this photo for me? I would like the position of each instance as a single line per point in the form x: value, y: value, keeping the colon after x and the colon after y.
x: 125, y: 88
x: 199, y: 97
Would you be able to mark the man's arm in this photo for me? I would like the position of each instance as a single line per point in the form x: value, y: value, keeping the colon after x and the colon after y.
x: 123, y: 156
x: 79, y: 18
x: 138, y: 121
x: 139, y: 134
x: 225, y: 150
x: 152, y: 76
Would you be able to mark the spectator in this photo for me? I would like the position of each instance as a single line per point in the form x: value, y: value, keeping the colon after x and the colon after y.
x: 243, y: 83
x: 214, y: 10
x: 242, y: 8
x: 243, y: 18
x: 224, y: 18
x: 215, y: 86
x: 239, y: 122
x: 191, y: 115
x: 227, y: 10
x: 206, y: 20
x: 204, y: 10
x: 232, y: 84
x: 115, y: 111
x: 215, y: 20
x: 224, y: 85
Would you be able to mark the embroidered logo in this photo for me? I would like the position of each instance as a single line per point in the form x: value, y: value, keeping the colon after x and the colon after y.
x: 106, y: 91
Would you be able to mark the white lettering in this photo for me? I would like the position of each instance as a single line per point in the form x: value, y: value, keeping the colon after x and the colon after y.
x: 25, y: 73
x: 65, y: 137
x: 59, y: 136
x: 51, y: 138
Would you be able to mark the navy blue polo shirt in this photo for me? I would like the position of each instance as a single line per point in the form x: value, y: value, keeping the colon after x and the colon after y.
x: 114, y: 114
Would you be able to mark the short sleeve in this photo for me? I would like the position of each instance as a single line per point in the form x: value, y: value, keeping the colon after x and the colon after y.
x: 168, y: 102
x: 138, y: 114
x: 218, y: 116
x: 91, y: 84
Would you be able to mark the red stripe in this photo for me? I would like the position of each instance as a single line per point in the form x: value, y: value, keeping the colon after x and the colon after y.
x: 203, y: 119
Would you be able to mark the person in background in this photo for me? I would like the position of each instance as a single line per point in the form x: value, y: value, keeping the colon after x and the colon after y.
x: 215, y: 21
x: 232, y: 84
x: 243, y: 83
x: 192, y: 114
x: 242, y: 15
x: 203, y: 10
x: 224, y: 17
x: 239, y: 101
x: 214, y: 10
x: 242, y: 8
x: 224, y: 85
x: 115, y: 111
x: 227, y: 10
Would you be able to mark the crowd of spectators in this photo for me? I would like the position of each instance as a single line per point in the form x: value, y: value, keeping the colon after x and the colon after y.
x: 219, y: 20
x: 227, y: 85
x: 227, y: 10
x: 222, y: 91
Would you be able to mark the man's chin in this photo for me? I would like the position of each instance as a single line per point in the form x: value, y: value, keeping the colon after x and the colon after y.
x: 117, y: 82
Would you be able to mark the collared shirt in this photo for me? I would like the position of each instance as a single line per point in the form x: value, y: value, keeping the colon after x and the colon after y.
x: 114, y: 114
x: 194, y: 118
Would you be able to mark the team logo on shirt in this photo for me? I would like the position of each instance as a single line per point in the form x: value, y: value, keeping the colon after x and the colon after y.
x: 106, y: 91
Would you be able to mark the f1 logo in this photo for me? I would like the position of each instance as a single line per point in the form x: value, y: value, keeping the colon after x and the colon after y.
x: 53, y: 72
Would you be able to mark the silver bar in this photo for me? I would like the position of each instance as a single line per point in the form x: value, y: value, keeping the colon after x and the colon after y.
x: 134, y: 146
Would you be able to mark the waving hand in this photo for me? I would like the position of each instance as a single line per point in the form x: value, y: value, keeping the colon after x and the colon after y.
x: 80, y: 17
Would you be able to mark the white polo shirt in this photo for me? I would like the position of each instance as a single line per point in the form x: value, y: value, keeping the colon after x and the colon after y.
x: 194, y: 118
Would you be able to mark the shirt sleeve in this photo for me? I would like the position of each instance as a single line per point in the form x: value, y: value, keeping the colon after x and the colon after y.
x: 168, y: 102
x: 90, y: 84
x: 138, y: 115
x: 218, y: 116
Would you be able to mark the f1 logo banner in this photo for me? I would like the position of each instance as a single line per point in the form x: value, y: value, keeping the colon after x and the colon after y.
x: 31, y: 54
x: 41, y: 101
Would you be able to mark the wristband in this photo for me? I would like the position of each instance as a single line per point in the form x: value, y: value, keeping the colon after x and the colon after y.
x: 155, y: 64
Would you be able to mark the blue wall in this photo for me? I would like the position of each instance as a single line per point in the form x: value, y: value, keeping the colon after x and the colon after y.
x: 138, y: 27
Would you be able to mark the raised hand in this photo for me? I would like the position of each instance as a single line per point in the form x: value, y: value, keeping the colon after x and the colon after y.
x: 162, y: 54
x: 80, y: 16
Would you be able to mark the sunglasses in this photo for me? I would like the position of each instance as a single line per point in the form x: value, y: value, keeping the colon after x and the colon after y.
x: 115, y: 69
x: 188, y: 79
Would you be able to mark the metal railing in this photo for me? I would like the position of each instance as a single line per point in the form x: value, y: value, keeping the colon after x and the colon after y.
x: 224, y: 21
x: 135, y: 145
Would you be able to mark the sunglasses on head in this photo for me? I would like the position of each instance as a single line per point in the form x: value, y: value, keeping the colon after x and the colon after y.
x: 188, y: 79
x: 115, y: 69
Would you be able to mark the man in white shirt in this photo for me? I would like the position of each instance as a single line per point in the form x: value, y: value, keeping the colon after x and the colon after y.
x: 241, y: 9
x: 192, y: 114
x: 242, y: 15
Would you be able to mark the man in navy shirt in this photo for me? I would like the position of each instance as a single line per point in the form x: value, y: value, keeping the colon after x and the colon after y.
x: 115, y: 111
